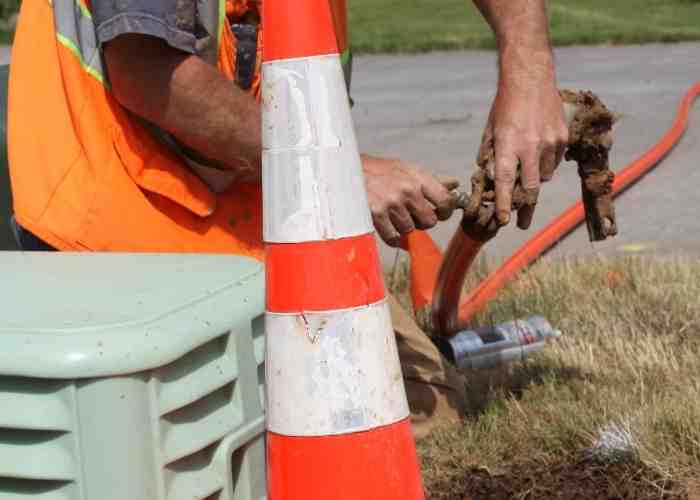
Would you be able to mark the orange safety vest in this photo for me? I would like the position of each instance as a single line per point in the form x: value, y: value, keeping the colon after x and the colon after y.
x: 87, y: 176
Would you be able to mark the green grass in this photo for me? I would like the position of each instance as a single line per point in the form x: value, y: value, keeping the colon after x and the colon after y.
x: 421, y: 25
x: 628, y: 364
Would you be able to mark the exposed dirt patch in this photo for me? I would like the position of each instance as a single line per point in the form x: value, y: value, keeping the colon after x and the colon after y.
x: 619, y: 388
x: 581, y: 481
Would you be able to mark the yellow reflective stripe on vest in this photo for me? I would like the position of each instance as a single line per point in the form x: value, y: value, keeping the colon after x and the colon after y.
x: 75, y: 30
x: 346, y: 64
x: 220, y: 29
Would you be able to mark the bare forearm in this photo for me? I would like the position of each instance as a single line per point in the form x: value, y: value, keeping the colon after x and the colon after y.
x: 526, y: 128
x: 522, y: 33
x: 188, y: 98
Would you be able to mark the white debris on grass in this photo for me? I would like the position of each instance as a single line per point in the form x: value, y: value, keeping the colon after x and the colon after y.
x: 614, y: 443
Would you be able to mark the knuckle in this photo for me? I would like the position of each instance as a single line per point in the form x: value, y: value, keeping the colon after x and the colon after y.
x: 531, y: 183
x: 379, y: 208
x: 406, y: 227
x: 564, y: 135
x: 394, y: 200
x: 505, y: 175
x: 386, y: 230
x: 532, y: 140
x: 527, y: 141
x: 410, y: 188
x: 551, y: 141
x: 400, y: 218
x: 427, y: 221
x: 375, y: 209
x: 504, y: 131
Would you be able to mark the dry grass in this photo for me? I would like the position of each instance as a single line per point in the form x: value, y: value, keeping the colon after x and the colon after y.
x: 621, y: 386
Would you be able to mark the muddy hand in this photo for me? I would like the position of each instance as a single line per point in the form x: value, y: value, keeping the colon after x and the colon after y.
x: 590, y: 124
x: 523, y: 143
x: 403, y: 197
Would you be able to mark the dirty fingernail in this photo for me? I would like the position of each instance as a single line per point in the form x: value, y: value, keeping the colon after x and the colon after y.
x: 524, y: 220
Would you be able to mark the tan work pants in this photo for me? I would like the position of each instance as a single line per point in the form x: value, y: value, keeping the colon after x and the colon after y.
x: 436, y: 391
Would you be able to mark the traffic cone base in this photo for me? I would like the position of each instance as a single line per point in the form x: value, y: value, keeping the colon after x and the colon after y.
x: 369, y: 465
x: 313, y: 183
x: 334, y: 372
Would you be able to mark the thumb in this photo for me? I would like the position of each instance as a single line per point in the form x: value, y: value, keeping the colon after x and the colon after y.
x: 451, y: 183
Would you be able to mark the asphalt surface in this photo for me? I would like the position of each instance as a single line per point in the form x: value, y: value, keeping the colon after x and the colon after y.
x: 431, y: 109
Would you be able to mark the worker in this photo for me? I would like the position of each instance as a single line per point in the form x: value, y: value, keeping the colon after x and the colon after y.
x: 135, y: 125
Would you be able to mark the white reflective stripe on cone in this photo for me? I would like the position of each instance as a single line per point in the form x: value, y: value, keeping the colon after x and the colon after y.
x: 312, y: 174
x: 315, y: 196
x: 334, y: 373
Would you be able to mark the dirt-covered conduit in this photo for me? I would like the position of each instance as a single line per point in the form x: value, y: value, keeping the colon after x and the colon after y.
x: 443, y: 288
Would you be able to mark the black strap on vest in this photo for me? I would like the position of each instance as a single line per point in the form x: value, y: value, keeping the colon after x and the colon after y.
x: 246, y: 53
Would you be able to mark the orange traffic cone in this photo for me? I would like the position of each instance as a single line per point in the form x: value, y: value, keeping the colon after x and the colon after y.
x: 337, y: 416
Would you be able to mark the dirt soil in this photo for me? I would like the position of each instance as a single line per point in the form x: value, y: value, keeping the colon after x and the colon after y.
x: 581, y: 481
x: 590, y: 141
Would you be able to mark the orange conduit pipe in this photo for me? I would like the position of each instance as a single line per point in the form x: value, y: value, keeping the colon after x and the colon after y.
x: 459, y: 258
x: 460, y: 261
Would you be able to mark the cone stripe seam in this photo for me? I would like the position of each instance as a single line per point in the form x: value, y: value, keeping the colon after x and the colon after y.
x: 326, y: 311
x: 312, y: 172
x: 405, y: 421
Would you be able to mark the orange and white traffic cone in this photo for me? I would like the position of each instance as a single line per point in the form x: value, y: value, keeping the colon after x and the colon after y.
x: 337, y: 416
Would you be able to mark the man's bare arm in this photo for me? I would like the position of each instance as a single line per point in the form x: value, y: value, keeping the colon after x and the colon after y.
x: 185, y: 96
x: 527, y: 122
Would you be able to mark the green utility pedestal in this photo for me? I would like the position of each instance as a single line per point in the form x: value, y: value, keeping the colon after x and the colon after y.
x: 134, y: 377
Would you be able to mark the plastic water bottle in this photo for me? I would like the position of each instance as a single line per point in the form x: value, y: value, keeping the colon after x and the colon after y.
x: 491, y: 346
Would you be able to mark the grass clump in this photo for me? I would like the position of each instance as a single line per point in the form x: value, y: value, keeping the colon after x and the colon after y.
x: 611, y: 410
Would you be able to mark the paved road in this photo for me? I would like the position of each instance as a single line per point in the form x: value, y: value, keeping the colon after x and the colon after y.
x: 431, y: 108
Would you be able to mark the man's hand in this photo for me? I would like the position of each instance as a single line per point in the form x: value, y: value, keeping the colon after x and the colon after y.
x: 527, y: 129
x: 402, y: 197
x: 526, y: 125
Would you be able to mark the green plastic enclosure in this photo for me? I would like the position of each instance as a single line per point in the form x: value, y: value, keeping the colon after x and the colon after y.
x: 136, y: 377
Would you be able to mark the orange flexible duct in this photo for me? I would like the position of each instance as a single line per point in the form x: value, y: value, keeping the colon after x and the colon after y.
x: 574, y: 216
x: 458, y: 262
x: 460, y: 255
